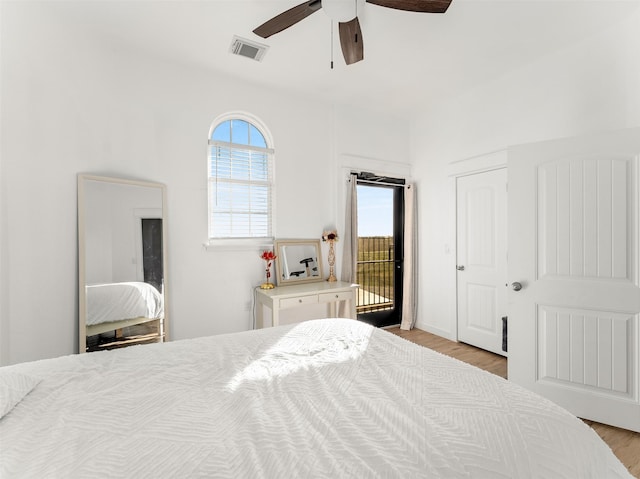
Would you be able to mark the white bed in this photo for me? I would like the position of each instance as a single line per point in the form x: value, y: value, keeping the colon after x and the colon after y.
x: 325, y: 398
x: 112, y: 306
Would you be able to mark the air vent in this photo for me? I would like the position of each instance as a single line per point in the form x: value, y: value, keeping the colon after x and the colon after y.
x: 247, y: 48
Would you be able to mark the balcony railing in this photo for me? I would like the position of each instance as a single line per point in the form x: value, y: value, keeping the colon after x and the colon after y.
x: 375, y: 273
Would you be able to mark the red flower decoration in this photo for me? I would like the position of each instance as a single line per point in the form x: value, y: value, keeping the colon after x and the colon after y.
x: 268, y: 255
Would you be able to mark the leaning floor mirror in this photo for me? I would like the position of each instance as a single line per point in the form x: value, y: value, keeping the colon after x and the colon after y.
x: 121, y: 263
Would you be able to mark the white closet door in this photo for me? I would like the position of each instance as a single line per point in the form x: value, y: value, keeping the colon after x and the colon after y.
x: 482, y: 258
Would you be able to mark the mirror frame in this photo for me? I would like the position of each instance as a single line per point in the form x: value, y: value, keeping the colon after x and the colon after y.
x: 81, y: 207
x: 277, y: 247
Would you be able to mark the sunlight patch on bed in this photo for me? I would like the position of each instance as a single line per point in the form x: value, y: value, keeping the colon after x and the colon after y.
x: 300, y: 351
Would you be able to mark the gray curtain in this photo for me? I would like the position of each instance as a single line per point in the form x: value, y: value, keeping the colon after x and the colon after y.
x: 350, y: 236
x: 410, y: 274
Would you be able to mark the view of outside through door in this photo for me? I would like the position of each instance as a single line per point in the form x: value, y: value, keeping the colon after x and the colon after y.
x: 377, y: 255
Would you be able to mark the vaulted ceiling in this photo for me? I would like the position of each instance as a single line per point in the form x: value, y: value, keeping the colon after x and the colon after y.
x: 411, y: 60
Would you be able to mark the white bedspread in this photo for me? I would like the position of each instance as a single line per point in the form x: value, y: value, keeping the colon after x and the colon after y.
x: 115, y: 301
x: 328, y: 398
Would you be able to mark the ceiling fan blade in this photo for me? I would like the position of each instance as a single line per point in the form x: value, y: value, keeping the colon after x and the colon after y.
x: 288, y: 18
x: 351, y: 41
x: 425, y: 6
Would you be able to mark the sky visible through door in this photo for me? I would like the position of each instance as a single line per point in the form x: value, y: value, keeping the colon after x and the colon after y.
x: 375, y: 211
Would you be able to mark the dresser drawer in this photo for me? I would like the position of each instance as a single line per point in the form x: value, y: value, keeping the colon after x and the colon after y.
x: 337, y: 296
x: 298, y: 301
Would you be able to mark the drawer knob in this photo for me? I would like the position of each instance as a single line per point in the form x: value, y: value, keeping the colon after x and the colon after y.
x: 337, y: 296
x: 299, y: 301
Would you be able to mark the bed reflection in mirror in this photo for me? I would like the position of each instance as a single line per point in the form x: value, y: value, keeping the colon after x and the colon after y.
x: 122, y: 292
x: 298, y: 261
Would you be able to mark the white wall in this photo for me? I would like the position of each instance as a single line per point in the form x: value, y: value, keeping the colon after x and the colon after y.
x: 74, y: 102
x: 591, y: 86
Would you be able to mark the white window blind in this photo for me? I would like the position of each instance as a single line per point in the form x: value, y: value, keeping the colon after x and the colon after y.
x: 240, y: 190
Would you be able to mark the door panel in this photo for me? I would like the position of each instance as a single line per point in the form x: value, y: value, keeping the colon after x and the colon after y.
x: 583, y: 207
x: 586, y: 348
x: 573, y: 231
x: 481, y: 258
x: 380, y: 251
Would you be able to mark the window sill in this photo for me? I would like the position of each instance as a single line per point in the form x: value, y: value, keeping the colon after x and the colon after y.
x: 238, y: 244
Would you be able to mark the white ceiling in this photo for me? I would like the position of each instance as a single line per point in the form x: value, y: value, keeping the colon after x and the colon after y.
x: 411, y: 59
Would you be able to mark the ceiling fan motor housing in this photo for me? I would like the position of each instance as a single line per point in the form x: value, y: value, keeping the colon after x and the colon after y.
x: 343, y: 10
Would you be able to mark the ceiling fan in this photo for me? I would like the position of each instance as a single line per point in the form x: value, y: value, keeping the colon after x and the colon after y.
x: 345, y: 12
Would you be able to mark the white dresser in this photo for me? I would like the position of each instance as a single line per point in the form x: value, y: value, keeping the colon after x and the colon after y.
x: 299, y: 295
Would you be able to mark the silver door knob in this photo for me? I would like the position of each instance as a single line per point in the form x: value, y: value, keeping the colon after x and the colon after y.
x: 460, y: 268
x: 516, y: 286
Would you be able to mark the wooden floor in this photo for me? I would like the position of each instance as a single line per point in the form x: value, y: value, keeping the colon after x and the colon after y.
x: 624, y: 444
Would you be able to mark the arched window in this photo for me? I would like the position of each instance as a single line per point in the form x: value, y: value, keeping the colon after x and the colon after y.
x: 240, y: 180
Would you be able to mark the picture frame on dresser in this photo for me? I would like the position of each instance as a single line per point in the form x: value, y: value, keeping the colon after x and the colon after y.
x: 298, y: 261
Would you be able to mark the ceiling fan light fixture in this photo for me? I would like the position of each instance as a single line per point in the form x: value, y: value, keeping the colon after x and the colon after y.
x: 342, y: 10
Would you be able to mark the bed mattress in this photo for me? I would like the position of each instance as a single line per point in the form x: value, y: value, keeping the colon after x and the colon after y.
x: 325, y: 398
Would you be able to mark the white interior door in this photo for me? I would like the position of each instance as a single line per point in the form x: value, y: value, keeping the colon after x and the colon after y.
x: 573, y: 245
x: 482, y: 258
